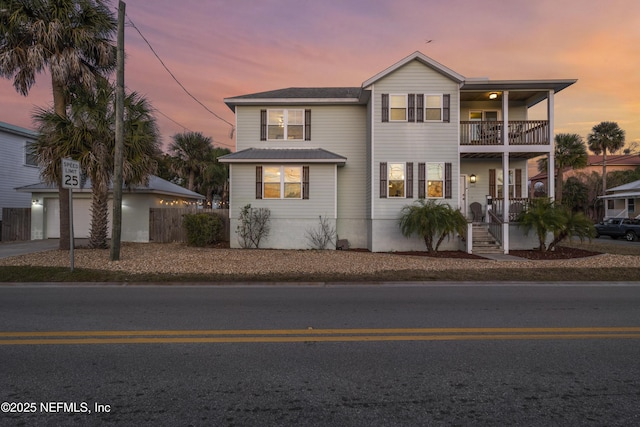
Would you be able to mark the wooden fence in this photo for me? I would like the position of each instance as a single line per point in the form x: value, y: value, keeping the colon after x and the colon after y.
x: 165, y: 224
x: 16, y: 224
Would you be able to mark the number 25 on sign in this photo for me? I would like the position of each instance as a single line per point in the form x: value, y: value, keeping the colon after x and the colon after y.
x: 70, y: 173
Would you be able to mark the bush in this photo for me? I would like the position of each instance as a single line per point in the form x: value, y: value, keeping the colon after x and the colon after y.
x: 202, y: 229
x: 254, y: 225
x: 322, y: 237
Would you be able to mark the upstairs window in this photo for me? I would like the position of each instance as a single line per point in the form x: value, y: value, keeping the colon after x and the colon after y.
x: 398, y: 108
x: 30, y: 158
x: 433, y: 108
x: 282, y: 124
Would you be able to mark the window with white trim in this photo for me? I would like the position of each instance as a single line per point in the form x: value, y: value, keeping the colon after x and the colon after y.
x: 435, y: 180
x: 285, y: 124
x: 398, y: 108
x: 30, y: 158
x: 282, y: 182
x: 396, y: 179
x: 433, y: 108
x: 500, y: 184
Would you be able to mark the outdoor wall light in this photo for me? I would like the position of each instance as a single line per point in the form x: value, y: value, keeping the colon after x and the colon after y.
x: 493, y: 95
x: 472, y: 178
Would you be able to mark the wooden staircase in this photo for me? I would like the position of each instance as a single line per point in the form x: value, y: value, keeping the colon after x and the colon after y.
x: 483, y: 241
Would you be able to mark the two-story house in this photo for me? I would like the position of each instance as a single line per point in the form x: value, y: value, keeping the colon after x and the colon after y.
x: 18, y: 166
x: 357, y: 155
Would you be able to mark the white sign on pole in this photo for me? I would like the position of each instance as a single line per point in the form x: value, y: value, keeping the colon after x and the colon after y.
x: 70, y: 173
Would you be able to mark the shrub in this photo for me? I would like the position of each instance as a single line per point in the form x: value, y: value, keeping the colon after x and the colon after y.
x: 432, y: 221
x: 254, y: 225
x: 202, y: 229
x: 323, y: 236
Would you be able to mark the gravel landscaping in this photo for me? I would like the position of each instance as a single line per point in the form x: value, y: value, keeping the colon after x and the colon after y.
x: 155, y: 258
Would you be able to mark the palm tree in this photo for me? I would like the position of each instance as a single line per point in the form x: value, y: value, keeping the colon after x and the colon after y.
x: 606, y: 136
x: 541, y: 217
x: 88, y: 134
x: 215, y: 176
x: 191, y: 152
x: 431, y: 220
x: 72, y: 39
x: 570, y: 152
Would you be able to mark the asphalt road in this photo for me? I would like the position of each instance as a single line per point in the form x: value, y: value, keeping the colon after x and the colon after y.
x: 440, y: 354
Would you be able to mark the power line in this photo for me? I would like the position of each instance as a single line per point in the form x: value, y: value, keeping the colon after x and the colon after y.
x: 176, y: 79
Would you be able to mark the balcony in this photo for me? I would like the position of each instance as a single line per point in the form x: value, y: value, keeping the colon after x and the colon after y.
x: 520, y: 132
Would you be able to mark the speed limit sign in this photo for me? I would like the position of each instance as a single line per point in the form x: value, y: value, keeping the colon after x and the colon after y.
x: 70, y: 173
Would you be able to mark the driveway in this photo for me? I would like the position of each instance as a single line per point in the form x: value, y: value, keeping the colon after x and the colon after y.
x: 9, y: 249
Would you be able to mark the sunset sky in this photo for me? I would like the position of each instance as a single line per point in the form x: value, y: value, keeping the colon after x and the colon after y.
x: 219, y: 49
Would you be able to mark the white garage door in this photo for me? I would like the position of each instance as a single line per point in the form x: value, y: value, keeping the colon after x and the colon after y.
x: 81, y: 218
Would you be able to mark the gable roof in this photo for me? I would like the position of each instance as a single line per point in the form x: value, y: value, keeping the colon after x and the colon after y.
x: 286, y: 155
x: 156, y: 185
x: 423, y: 59
x: 301, y: 96
x: 17, y: 130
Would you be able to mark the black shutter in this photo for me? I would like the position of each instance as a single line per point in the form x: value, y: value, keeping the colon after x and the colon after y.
x: 258, y: 182
x: 420, y: 108
x: 263, y: 125
x: 411, y: 101
x: 422, y: 174
x: 305, y: 182
x: 518, y: 183
x: 492, y: 183
x: 385, y: 107
x: 307, y: 125
x: 383, y: 180
x: 447, y: 181
x: 409, y: 189
x: 446, y: 108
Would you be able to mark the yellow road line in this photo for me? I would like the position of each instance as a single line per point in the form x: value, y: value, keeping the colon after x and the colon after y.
x: 314, y: 335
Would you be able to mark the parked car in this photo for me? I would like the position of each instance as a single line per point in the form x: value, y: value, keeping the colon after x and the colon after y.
x: 619, y: 227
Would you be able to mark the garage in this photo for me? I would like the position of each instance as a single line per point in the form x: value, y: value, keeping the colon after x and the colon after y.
x: 81, y: 218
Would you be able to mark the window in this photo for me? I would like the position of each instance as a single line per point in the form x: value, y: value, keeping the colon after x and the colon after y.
x: 285, y: 124
x: 282, y: 182
x: 500, y: 184
x: 398, y: 105
x: 631, y: 205
x: 435, y: 180
x: 30, y: 158
x: 433, y: 108
x: 396, y: 180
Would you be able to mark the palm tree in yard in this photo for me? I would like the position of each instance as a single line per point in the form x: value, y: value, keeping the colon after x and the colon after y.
x: 72, y: 40
x: 88, y: 134
x: 192, y: 153
x: 570, y: 152
x: 605, y: 137
x: 432, y: 221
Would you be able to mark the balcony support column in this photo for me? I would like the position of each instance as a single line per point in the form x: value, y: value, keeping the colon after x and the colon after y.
x: 551, y: 164
x: 505, y: 118
x: 506, y: 201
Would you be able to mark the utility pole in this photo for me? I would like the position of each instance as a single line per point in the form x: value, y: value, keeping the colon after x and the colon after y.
x: 116, y: 231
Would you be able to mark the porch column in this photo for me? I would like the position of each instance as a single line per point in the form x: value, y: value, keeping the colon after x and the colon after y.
x: 505, y: 117
x: 551, y: 164
x: 506, y: 200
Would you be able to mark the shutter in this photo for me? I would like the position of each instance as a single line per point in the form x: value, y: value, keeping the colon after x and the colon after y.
x: 307, y: 125
x: 263, y: 125
x: 492, y: 183
x: 305, y: 182
x: 385, y: 107
x: 411, y: 103
x: 422, y: 174
x: 446, y: 108
x: 420, y: 108
x: 409, y: 184
x: 258, y: 182
x: 518, y: 183
x: 447, y: 181
x: 383, y: 180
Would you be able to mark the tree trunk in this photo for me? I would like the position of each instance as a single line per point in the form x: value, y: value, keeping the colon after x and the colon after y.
x: 60, y: 107
x: 604, y: 171
x: 99, y: 213
x: 192, y: 178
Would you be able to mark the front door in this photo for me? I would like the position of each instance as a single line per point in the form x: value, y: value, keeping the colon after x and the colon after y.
x: 464, y: 189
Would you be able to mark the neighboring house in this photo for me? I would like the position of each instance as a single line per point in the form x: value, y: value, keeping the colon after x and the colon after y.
x: 136, y: 201
x: 357, y: 155
x: 623, y: 201
x: 17, y: 166
x: 615, y: 162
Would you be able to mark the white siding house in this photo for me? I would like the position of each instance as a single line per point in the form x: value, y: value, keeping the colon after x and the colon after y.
x: 17, y: 167
x: 357, y: 155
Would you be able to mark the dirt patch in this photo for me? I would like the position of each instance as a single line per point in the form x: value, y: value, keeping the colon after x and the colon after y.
x: 561, y: 252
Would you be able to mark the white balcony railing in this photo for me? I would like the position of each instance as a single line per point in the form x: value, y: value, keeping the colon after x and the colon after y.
x: 520, y: 132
